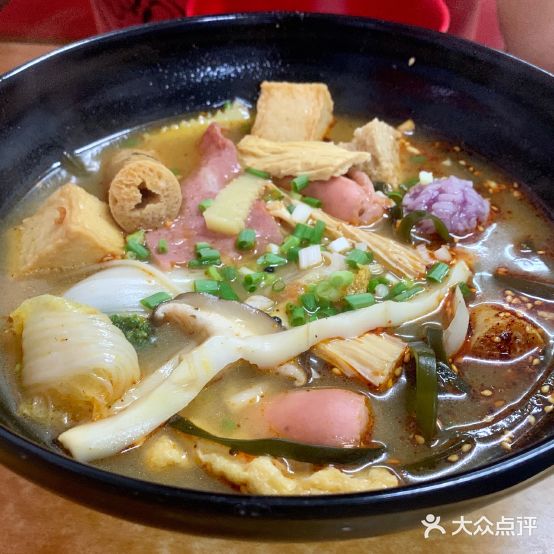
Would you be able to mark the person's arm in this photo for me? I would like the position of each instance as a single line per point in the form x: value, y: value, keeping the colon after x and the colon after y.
x: 528, y: 30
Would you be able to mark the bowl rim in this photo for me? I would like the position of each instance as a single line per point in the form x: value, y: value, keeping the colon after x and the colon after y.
x: 481, y: 481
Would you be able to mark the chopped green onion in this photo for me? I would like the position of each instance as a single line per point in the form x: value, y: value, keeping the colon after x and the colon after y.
x: 356, y: 258
x: 418, y: 159
x: 214, y: 274
x: 205, y: 204
x: 317, y: 232
x: 273, y: 194
x: 138, y: 236
x: 409, y: 183
x: 465, y: 290
x: 303, y: 232
x: 374, y: 282
x: 252, y: 280
x: 226, y: 292
x: 357, y: 301
x: 258, y: 173
x: 407, y: 294
x: 408, y: 222
x: 228, y: 273
x: 278, y: 285
x: 162, y: 247
x: 282, y: 448
x: 291, y: 208
x: 300, y: 182
x: 438, y: 272
x: 426, y: 388
x: 246, y: 239
x: 311, y: 201
x: 295, y: 195
x: 290, y: 242
x: 209, y: 256
x: 175, y: 171
x: 155, y: 300
x: 326, y: 291
x: 309, y: 301
x: 271, y: 260
x: 341, y: 279
x: 200, y: 246
x: 208, y: 286
x: 296, y: 315
x: 195, y: 264
x: 327, y: 312
x: 396, y: 289
x: 227, y: 104
x: 140, y: 251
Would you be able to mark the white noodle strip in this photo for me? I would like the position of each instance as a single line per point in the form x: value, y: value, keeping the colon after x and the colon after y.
x: 455, y: 334
x: 111, y: 435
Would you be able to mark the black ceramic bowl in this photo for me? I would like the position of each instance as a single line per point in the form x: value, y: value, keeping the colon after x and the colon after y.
x: 492, y: 103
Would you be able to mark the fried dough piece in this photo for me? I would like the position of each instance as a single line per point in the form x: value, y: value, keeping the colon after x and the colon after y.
x: 143, y: 194
x: 293, y: 111
x: 70, y: 229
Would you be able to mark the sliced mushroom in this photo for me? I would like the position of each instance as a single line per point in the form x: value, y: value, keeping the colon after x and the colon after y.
x: 204, y: 316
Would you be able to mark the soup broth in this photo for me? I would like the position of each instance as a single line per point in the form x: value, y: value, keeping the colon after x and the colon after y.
x: 487, y: 406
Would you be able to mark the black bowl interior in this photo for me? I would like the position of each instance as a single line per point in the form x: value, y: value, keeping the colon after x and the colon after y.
x: 490, y: 102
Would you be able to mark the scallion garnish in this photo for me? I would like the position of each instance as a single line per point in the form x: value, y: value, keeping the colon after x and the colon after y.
x: 317, y: 232
x: 246, y: 239
x: 135, y: 243
x: 226, y: 291
x: 296, y: 315
x: 209, y: 256
x: 278, y: 286
x: 155, y: 300
x: 257, y: 173
x: 205, y: 204
x: 465, y: 290
x: 251, y: 281
x: 437, y: 272
x: 309, y: 301
x: 356, y: 258
x: 271, y: 260
x: 162, y: 247
x: 228, y: 273
x: 341, y: 279
x: 408, y: 222
x: 208, y: 286
x: 300, y: 182
x: 200, y: 246
x: 407, y: 294
x: 358, y: 301
x: 213, y: 273
x: 303, y: 232
x: 374, y: 282
x: 311, y: 201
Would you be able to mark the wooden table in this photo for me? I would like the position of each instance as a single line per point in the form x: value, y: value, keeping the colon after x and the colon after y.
x: 33, y: 520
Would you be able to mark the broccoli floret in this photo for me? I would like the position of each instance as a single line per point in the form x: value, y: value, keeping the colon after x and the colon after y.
x: 136, y: 328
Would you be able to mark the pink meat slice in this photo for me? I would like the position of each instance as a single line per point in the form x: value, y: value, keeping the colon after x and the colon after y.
x: 330, y: 417
x: 218, y: 165
x: 352, y: 199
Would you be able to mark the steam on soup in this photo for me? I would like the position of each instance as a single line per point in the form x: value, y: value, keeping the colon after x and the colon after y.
x: 291, y: 303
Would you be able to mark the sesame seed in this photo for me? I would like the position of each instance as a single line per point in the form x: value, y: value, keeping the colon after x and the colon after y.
x: 536, y: 361
x: 532, y: 419
x: 467, y: 447
x: 529, y: 305
x: 398, y: 371
x: 495, y: 208
x: 407, y: 357
x: 462, y: 162
x: 454, y: 368
x: 486, y: 392
x: 419, y: 439
x: 537, y: 302
x: 516, y: 301
x: 411, y: 61
x: 516, y: 194
x: 457, y: 149
x: 524, y: 298
x: 506, y: 445
x: 488, y: 418
x: 509, y: 298
x: 540, y: 252
x: 551, y: 399
x: 453, y: 458
x: 516, y: 185
x: 545, y: 389
x: 499, y: 403
x: 497, y: 339
x: 336, y: 371
x: 548, y: 408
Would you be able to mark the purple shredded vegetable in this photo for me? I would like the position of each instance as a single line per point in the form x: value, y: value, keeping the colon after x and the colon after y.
x: 454, y: 200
